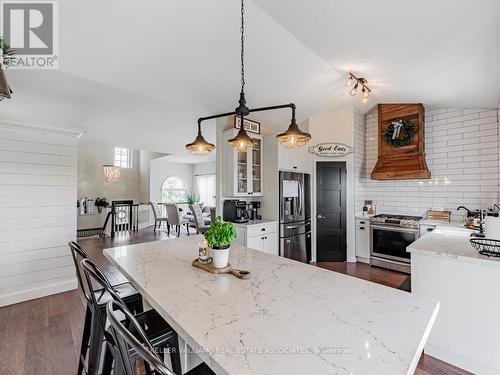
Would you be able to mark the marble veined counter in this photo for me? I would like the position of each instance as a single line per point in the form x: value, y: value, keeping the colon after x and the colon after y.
x: 289, y: 318
x: 453, y: 242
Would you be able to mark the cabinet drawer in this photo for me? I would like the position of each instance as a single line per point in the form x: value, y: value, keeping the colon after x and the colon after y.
x: 363, y: 222
x: 254, y: 230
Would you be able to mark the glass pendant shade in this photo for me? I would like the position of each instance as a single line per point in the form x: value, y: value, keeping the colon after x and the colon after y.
x: 293, y: 136
x: 111, y: 173
x: 242, y: 142
x: 200, y: 146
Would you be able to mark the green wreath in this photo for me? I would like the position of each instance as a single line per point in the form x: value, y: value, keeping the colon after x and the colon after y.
x: 407, y: 131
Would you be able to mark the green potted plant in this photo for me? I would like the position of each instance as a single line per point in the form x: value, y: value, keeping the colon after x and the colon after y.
x: 100, y: 203
x: 192, y: 198
x: 219, y: 236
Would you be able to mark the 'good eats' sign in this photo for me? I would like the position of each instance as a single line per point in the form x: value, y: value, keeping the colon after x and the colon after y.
x: 331, y: 149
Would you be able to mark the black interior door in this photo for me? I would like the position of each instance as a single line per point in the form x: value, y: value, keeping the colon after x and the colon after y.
x: 331, y: 211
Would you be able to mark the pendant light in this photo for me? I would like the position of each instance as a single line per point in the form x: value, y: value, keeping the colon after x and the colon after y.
x: 200, y: 146
x: 5, y: 91
x: 293, y: 137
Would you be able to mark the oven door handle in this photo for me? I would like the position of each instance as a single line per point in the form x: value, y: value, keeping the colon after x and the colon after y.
x: 395, y: 229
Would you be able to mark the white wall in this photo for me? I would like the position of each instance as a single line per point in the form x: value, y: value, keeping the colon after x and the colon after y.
x: 145, y: 158
x: 337, y: 126
x: 462, y: 153
x: 91, y: 183
x: 38, y: 184
x: 162, y: 169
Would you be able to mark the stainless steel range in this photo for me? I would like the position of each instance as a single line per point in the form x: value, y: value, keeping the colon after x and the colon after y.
x: 389, y: 237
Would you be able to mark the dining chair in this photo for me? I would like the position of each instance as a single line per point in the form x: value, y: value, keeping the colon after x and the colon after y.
x: 126, y: 291
x: 212, y: 214
x: 175, y: 219
x: 155, y: 328
x: 159, y: 218
x: 129, y: 337
x: 199, y: 220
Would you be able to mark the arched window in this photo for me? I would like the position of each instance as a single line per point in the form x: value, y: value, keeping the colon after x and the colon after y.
x: 173, y: 190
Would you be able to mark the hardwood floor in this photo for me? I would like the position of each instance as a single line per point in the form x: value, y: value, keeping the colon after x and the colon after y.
x: 42, y: 336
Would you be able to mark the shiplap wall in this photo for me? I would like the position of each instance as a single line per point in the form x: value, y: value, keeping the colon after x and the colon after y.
x: 38, y: 181
x: 462, y: 152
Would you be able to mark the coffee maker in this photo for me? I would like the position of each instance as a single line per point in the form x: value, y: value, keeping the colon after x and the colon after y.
x: 253, y: 210
x: 235, y: 210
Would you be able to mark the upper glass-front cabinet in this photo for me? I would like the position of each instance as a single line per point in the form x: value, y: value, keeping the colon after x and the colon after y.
x: 242, y: 170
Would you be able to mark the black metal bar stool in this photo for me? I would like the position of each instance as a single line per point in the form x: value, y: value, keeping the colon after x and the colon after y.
x: 127, y: 292
x: 129, y: 338
x: 156, y: 329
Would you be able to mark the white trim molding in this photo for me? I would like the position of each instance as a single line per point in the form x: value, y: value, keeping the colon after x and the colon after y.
x: 44, y: 129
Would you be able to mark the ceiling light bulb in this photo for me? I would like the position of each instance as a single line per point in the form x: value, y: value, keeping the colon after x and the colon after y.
x: 350, y: 81
x: 366, y: 93
x: 354, y: 90
x: 242, y: 146
x: 365, y: 100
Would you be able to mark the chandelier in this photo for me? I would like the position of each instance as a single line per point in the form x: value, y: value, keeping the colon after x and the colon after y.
x: 111, y: 173
x: 292, y: 137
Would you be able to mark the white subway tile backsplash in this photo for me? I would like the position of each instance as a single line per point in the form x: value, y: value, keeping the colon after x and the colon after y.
x: 462, y: 152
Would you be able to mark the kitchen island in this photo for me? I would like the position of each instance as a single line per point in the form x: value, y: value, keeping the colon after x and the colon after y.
x: 445, y: 267
x: 289, y: 318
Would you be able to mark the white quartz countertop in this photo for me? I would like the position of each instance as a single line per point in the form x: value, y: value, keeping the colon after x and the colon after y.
x: 256, y: 222
x: 289, y: 318
x: 450, y: 242
x: 438, y: 223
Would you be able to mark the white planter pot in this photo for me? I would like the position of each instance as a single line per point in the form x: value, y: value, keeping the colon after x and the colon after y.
x: 220, y: 257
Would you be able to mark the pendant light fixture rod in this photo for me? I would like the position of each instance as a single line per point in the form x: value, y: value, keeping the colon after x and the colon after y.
x: 261, y: 109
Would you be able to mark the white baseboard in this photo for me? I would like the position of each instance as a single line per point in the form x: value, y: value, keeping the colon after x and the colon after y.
x: 40, y: 291
x: 462, y: 357
x: 363, y: 260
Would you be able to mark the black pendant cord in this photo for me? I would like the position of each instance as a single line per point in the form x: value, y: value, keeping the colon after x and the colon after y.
x: 242, y: 29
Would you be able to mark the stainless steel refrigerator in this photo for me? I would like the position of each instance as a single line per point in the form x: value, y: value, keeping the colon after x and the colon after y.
x: 295, y: 216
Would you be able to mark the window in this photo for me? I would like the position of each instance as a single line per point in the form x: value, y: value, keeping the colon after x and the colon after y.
x: 122, y: 157
x: 206, y: 189
x: 173, y: 190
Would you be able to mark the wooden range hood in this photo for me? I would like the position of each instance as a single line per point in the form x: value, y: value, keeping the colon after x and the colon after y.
x: 405, y: 162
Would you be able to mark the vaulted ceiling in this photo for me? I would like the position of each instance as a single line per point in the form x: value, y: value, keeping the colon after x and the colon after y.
x: 139, y: 73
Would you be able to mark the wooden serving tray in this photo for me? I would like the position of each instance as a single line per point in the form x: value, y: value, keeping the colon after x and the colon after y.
x: 209, y: 267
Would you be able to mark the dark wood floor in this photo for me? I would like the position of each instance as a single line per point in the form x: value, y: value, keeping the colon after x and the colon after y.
x: 42, y: 336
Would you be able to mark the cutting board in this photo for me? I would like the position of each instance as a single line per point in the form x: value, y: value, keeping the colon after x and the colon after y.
x: 209, y: 267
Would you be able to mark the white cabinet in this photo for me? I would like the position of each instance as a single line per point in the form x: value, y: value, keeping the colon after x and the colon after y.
x: 242, y: 170
x: 294, y: 159
x: 259, y: 236
x: 363, y: 240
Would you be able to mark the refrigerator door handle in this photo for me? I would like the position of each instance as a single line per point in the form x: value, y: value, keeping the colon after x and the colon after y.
x: 300, y: 198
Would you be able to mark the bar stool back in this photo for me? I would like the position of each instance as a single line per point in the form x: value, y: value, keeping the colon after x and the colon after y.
x: 125, y: 342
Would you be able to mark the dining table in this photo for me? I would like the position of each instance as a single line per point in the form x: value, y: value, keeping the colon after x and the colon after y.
x: 287, y: 318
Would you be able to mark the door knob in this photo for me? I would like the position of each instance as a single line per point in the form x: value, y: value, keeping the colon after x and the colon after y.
x: 321, y: 217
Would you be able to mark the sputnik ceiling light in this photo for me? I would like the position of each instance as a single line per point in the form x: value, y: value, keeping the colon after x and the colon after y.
x: 292, y: 137
x: 358, y: 83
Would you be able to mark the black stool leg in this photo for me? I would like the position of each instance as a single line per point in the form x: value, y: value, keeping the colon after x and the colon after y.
x: 108, y: 362
x: 85, y: 339
x: 96, y: 341
x: 175, y: 355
